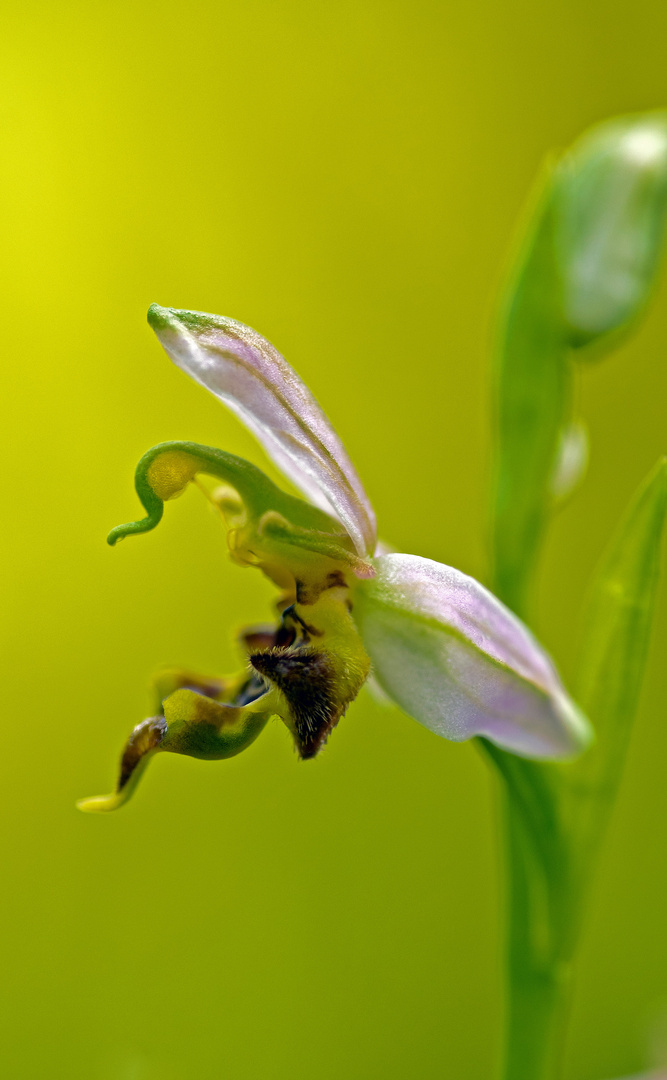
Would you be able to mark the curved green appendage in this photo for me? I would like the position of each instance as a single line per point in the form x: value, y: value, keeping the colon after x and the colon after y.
x: 194, y: 725
x: 154, y: 510
x: 202, y: 728
x: 166, y: 469
x: 142, y: 744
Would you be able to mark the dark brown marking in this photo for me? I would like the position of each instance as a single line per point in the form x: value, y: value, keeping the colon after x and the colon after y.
x: 306, y: 594
x: 310, y: 594
x: 146, y: 736
x: 254, y: 638
x: 336, y: 580
x: 264, y: 637
x: 291, y: 614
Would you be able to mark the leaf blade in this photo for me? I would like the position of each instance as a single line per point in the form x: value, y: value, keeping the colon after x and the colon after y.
x: 615, y: 649
x: 533, y: 389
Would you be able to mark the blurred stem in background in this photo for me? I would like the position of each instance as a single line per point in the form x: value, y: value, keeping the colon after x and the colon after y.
x: 581, y: 278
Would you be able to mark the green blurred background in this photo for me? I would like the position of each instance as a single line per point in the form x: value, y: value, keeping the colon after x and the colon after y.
x: 345, y: 177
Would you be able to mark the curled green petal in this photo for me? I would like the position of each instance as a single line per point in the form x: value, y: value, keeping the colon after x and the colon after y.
x: 155, y: 510
x: 142, y: 744
x: 200, y: 727
x: 165, y: 471
x: 194, y: 725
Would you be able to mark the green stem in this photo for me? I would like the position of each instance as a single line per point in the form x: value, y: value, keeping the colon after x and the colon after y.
x: 539, y: 972
x: 543, y: 905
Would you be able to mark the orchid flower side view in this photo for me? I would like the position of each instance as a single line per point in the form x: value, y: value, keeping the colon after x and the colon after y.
x: 442, y: 646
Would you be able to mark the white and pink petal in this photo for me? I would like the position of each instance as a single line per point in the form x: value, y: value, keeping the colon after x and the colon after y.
x: 458, y: 661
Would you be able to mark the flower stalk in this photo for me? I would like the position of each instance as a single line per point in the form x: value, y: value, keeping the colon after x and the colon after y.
x: 583, y: 276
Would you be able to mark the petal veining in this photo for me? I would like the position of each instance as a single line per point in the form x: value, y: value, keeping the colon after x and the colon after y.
x: 250, y: 376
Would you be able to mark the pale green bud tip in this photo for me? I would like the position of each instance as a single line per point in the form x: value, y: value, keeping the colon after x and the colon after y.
x: 611, y: 192
x: 174, y: 328
x: 165, y: 319
x: 158, y: 317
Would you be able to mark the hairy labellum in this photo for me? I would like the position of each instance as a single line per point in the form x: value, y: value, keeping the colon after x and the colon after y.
x: 307, y: 680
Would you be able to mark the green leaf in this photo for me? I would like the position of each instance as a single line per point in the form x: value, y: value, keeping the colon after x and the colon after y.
x: 533, y: 380
x: 613, y: 658
x: 584, y: 272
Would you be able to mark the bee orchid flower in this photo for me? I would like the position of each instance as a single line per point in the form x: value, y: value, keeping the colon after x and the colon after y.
x: 440, y: 644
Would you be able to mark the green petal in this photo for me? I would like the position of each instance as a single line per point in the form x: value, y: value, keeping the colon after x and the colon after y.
x: 194, y: 725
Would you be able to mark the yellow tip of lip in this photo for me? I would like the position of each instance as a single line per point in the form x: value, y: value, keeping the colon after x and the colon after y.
x: 100, y: 804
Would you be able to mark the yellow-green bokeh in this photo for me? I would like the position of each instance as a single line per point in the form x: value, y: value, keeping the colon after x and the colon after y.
x: 344, y: 177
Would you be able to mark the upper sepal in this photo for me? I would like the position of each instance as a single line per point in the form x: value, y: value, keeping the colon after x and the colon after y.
x: 456, y: 659
x: 249, y: 375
